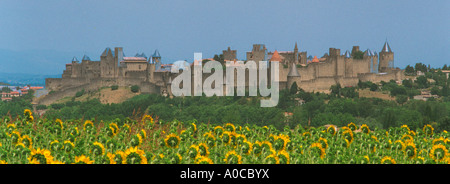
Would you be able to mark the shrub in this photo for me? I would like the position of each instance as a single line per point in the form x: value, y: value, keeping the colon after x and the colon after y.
x: 114, y: 87
x: 135, y: 88
x: 79, y: 93
x: 41, y: 107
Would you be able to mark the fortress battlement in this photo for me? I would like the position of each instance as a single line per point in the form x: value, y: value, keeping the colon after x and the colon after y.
x: 310, y: 73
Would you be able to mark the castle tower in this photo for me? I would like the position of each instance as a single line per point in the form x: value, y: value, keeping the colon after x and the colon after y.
x: 386, y: 57
x: 108, y: 63
x: 85, y: 59
x: 375, y: 62
x: 229, y: 54
x: 156, y: 59
x: 368, y: 54
x: 258, y: 53
x: 292, y: 76
x: 296, y: 53
x: 74, y: 60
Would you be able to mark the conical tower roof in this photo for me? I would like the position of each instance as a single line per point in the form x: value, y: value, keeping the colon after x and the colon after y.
x: 386, y: 47
x: 293, y: 72
x: 347, y: 54
x: 74, y: 59
x: 156, y: 54
x: 86, y: 58
x: 275, y: 56
x: 368, y: 53
x: 107, y: 51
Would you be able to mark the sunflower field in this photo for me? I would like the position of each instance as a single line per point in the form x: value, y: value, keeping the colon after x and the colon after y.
x: 26, y: 140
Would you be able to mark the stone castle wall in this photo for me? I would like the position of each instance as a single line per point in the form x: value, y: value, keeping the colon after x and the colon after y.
x: 315, y: 76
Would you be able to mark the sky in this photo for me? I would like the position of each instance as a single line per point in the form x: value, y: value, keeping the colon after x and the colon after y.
x: 40, y: 37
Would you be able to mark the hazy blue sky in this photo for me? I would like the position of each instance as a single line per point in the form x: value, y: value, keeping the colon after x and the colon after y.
x: 42, y: 36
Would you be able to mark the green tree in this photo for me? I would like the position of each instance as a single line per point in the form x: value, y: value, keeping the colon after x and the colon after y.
x: 435, y: 90
x: 409, y: 70
x: 358, y: 54
x: 6, y: 89
x: 294, y: 88
x: 422, y: 82
x: 420, y: 67
x: 407, y: 83
x: 401, y: 99
x: 336, y: 90
x: 373, y: 87
x: 444, y: 123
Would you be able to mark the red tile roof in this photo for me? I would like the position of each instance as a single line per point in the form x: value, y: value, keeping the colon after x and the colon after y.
x: 275, y: 56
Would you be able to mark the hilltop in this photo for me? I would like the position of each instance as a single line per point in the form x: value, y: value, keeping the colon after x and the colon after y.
x: 105, y: 95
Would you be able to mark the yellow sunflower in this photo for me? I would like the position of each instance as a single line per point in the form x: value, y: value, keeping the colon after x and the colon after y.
x: 410, y: 149
x: 246, y: 147
x: 317, y: 148
x: 438, y: 152
x: 203, y: 160
x: 88, y: 124
x: 194, y: 127
x: 232, y: 158
x: 324, y: 142
x: 147, y: 118
x: 115, y: 128
x: 388, y: 160
x: 133, y: 155
x: 352, y: 126
x: 126, y: 127
x: 405, y: 127
x: 28, y: 115
x: 98, y: 148
x: 26, y: 140
x: 272, y: 159
x: 15, y: 137
x: 398, y: 144
x: 283, y: 157
x: 203, y: 149
x: 407, y: 138
x: 440, y: 140
x: 218, y: 130
x: 42, y: 156
x: 68, y: 145
x: 143, y: 133
x: 111, y: 158
x: 331, y: 130
x: 193, y: 151
x: 230, y: 127
x: 428, y: 129
x: 60, y: 123
x: 365, y: 129
x: 172, y: 140
x: 348, y: 135
x: 83, y: 160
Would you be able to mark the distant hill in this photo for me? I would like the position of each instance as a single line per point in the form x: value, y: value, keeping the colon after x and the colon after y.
x: 21, y: 79
x: 4, y: 84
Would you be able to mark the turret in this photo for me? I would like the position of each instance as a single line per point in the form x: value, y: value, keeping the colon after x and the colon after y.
x: 386, y: 57
x: 292, y: 76
x: 74, y: 60
x: 156, y: 59
x: 86, y: 59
